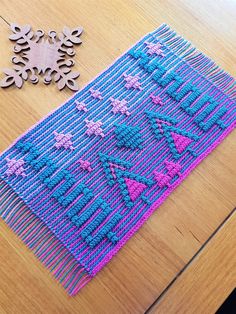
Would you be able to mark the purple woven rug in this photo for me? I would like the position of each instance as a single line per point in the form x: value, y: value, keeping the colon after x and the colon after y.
x: 80, y: 183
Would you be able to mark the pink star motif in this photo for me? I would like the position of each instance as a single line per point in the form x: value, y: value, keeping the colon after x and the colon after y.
x: 63, y: 140
x: 94, y: 128
x: 96, y: 93
x: 154, y: 49
x: 15, y: 167
x: 81, y: 106
x: 156, y: 100
x: 85, y: 165
x: 132, y: 81
x: 119, y: 106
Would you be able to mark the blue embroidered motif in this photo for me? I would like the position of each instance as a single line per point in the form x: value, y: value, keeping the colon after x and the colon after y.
x: 128, y: 136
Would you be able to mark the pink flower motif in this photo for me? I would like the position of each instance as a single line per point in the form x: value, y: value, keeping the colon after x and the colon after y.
x: 119, y: 106
x: 132, y: 81
x: 156, y: 100
x: 94, y: 128
x: 81, y: 106
x: 85, y: 165
x: 154, y: 49
x: 63, y: 140
x: 15, y: 167
x: 96, y: 93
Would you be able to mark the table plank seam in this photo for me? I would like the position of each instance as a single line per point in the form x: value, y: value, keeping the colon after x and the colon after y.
x: 162, y: 294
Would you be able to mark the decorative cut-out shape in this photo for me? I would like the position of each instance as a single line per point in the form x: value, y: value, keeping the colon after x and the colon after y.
x: 119, y: 106
x: 128, y: 136
x: 15, y: 167
x: 85, y: 165
x: 156, y: 100
x: 135, y: 188
x: 132, y: 81
x: 96, y: 93
x: 94, y: 128
x: 81, y: 106
x: 47, y: 56
x: 154, y: 49
x: 63, y: 140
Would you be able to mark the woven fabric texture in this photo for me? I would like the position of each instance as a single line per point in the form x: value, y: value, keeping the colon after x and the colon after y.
x: 81, y: 182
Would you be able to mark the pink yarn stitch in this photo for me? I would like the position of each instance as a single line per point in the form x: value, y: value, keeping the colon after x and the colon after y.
x: 96, y: 93
x: 119, y: 106
x: 94, y: 128
x: 81, y: 106
x: 63, y: 140
x: 132, y: 81
x: 112, y: 167
x: 162, y: 179
x: 156, y: 100
x: 173, y: 168
x: 181, y: 142
x: 159, y: 123
x: 135, y: 188
x: 85, y: 165
x: 15, y: 167
x: 154, y: 49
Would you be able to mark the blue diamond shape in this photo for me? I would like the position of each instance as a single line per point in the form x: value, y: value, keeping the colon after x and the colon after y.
x: 128, y: 136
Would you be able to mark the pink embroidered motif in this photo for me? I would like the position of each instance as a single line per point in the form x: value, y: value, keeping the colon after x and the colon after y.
x: 112, y: 167
x: 94, y: 128
x: 159, y: 124
x: 15, y: 167
x: 119, y: 106
x: 81, y: 106
x: 156, y: 100
x: 96, y: 93
x: 154, y: 49
x: 135, y: 188
x: 63, y: 140
x: 162, y: 179
x: 173, y: 168
x: 85, y: 165
x: 181, y: 141
x: 132, y: 81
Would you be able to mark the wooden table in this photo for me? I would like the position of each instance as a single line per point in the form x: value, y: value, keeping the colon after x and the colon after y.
x: 183, y: 260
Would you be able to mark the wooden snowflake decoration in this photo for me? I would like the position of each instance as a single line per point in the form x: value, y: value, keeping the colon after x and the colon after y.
x: 46, y: 55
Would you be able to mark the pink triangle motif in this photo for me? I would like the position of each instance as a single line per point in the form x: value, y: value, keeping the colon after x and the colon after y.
x: 181, y: 142
x: 135, y: 188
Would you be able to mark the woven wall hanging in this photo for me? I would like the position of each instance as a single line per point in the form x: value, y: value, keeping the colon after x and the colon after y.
x: 81, y: 182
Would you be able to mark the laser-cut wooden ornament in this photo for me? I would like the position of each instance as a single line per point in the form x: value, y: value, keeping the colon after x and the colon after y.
x: 40, y: 54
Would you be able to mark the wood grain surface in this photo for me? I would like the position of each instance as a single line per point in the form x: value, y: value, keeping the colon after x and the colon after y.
x: 216, y: 263
x: 147, y: 270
